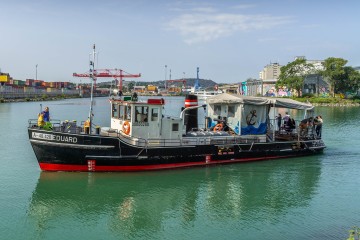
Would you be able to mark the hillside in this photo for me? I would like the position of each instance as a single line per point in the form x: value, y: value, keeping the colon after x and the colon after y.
x: 204, y: 83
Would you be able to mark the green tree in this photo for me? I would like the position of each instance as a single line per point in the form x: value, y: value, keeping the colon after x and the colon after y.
x: 354, y: 80
x: 293, y: 74
x: 130, y: 86
x: 334, y: 72
x: 349, y: 81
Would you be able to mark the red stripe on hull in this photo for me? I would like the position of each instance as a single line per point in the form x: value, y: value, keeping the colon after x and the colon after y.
x: 85, y: 168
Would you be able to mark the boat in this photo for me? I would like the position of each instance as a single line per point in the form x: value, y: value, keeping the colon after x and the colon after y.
x: 141, y: 137
x: 203, y: 94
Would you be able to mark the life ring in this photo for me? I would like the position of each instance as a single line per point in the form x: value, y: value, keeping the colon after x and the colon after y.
x: 218, y: 127
x: 126, y: 127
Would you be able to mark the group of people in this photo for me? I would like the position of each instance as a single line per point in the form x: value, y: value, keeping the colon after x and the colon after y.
x: 311, y: 122
x: 289, y: 124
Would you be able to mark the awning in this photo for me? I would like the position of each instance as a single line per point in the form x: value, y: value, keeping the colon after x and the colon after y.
x: 274, y: 102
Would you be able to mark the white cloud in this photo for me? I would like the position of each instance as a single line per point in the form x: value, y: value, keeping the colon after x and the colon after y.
x: 244, y: 6
x: 210, y: 25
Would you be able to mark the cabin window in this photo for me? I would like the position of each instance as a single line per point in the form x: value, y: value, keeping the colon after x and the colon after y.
x: 217, y: 110
x: 175, y: 127
x: 127, y: 113
x: 115, y: 112
x: 141, y: 114
x: 231, y: 111
x: 154, y: 114
x: 121, y: 112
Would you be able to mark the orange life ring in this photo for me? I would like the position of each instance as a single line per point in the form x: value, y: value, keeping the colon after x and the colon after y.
x: 218, y: 127
x: 126, y: 127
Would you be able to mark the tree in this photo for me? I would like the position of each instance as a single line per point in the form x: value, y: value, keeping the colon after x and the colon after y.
x: 354, y: 80
x: 334, y: 72
x: 293, y: 74
x: 130, y: 86
x: 348, y: 82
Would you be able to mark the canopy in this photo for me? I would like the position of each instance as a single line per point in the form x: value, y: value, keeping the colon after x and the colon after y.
x: 274, y: 102
x: 290, y: 103
x: 232, y: 98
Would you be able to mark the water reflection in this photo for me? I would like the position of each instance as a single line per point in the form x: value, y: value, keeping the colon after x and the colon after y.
x: 143, y: 204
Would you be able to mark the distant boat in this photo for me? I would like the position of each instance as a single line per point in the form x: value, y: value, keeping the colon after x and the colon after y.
x: 204, y: 94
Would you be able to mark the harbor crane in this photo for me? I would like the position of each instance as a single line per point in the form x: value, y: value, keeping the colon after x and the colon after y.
x: 115, y: 73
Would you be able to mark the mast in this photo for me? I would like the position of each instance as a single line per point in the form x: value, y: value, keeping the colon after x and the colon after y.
x: 92, y: 77
x: 197, y: 85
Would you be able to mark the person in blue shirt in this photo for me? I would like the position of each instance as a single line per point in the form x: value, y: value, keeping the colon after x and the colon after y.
x: 46, y: 114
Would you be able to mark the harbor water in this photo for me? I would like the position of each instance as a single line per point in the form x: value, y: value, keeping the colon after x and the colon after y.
x: 314, y: 197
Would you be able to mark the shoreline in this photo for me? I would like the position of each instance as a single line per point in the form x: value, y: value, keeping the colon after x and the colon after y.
x: 15, y: 100
x: 338, y: 104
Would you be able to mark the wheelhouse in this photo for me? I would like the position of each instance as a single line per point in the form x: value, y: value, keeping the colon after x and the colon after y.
x: 143, y: 119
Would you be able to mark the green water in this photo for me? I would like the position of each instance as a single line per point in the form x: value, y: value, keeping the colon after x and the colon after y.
x: 314, y: 197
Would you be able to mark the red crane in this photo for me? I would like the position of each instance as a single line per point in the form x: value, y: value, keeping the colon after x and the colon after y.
x: 115, y: 73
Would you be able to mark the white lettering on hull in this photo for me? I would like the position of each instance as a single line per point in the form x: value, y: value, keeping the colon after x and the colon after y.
x: 52, y: 137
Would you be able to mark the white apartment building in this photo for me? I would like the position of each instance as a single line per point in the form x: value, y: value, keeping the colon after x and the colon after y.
x: 270, y: 71
x: 318, y: 64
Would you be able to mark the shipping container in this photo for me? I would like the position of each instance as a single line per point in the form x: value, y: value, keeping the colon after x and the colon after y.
x: 20, y: 83
x: 151, y: 88
x: 29, y: 89
x: 29, y: 82
x: 4, y: 78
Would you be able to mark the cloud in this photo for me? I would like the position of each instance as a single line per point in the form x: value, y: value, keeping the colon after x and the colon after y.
x: 244, y: 6
x: 209, y: 25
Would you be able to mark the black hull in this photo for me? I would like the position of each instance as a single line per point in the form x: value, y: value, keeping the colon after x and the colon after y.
x: 57, y: 151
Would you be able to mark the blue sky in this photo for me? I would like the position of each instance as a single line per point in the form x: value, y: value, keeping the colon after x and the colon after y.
x: 229, y: 40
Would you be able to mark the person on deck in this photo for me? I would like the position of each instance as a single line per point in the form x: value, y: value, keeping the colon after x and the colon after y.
x: 318, y: 121
x: 290, y: 125
x: 279, y: 118
x: 286, y: 118
x: 46, y: 114
x: 304, y: 124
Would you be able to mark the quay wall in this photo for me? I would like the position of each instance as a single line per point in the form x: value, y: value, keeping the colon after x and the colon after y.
x: 9, y: 92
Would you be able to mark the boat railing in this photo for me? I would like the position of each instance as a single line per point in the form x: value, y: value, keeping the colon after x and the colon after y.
x: 57, y: 126
x: 285, y: 132
x: 33, y: 123
x: 192, y: 141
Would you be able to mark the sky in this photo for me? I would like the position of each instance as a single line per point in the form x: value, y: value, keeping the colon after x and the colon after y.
x: 229, y: 40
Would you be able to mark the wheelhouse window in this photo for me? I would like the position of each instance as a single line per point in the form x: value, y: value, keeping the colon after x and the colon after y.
x: 141, y: 113
x: 231, y: 111
x: 154, y: 114
x: 127, y: 113
x: 115, y: 112
x: 121, y: 111
x: 217, y: 110
x: 175, y: 127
